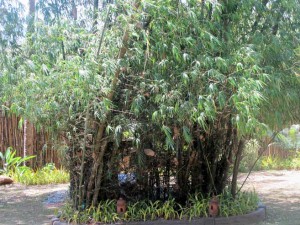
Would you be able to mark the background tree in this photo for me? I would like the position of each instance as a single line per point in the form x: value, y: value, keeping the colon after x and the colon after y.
x: 12, y: 27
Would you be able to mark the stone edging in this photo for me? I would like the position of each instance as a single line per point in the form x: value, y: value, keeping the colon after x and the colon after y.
x: 250, y: 218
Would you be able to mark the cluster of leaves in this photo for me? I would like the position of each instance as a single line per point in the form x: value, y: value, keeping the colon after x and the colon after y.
x: 192, y: 71
x: 250, y: 154
x: 46, y: 175
x: 10, y: 163
x: 244, y: 202
x: 277, y: 163
x: 12, y: 24
x: 290, y: 137
x: 197, y: 207
x: 13, y: 166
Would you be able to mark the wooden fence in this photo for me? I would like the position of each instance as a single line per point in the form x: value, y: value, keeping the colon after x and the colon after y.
x: 277, y: 150
x: 37, y: 143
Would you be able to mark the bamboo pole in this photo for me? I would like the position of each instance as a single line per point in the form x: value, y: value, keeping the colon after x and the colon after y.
x: 101, y: 144
x: 25, y: 141
x: 81, y: 194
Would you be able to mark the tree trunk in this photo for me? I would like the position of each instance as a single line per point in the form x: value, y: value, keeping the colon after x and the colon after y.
x: 86, y: 127
x: 31, y: 16
x: 74, y: 10
x: 182, y: 177
x: 30, y: 31
x: 95, y: 16
x: 237, y: 161
x: 25, y: 140
x: 229, y: 145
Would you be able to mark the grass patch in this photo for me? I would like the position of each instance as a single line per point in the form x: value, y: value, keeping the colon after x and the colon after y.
x: 47, y: 175
x: 196, y: 207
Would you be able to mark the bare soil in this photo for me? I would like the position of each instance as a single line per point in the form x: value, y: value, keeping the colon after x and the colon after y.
x: 20, y: 204
x: 278, y: 190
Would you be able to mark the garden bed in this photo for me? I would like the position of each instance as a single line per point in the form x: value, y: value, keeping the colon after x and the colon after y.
x: 250, y: 218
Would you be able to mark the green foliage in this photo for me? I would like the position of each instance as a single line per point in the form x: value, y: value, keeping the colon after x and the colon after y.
x: 197, y: 207
x: 205, y: 71
x: 277, y: 163
x: 168, y: 210
x: 105, y: 212
x: 250, y: 154
x: 47, y: 175
x: 12, y: 165
x: 68, y: 214
x: 12, y: 24
x: 244, y: 202
x: 270, y: 163
x: 10, y: 162
x: 290, y: 137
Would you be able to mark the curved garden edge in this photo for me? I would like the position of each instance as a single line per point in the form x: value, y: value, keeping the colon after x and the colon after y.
x: 251, y: 218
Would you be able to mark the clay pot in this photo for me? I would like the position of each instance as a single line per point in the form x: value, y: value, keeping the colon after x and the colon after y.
x: 213, y: 209
x: 121, y: 206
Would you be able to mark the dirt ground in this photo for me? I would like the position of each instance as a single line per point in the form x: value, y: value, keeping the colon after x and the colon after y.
x: 278, y: 190
x: 21, y: 204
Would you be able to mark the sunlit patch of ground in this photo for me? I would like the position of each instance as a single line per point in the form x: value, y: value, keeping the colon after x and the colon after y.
x: 280, y: 192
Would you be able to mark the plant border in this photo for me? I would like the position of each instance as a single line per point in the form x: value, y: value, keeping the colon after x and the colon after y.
x: 251, y: 218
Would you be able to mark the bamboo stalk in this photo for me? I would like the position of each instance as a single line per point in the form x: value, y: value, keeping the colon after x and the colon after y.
x: 101, y: 146
x: 102, y: 34
x: 25, y: 141
x: 83, y: 154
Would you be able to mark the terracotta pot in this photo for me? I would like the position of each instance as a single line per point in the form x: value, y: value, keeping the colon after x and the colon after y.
x: 121, y: 206
x: 213, y: 209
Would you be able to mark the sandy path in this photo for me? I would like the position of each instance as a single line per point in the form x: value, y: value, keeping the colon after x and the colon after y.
x: 280, y: 192
x: 21, y: 204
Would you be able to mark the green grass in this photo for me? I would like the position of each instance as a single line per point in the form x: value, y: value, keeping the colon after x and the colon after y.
x: 47, y: 175
x: 197, y: 207
x: 11, y: 165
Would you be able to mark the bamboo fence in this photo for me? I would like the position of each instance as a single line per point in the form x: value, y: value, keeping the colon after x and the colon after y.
x: 37, y: 143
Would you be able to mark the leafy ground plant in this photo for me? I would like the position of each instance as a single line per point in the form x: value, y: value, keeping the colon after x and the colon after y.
x: 250, y: 154
x: 196, y: 207
x: 243, y: 203
x: 47, y: 175
x: 276, y: 163
x: 10, y: 162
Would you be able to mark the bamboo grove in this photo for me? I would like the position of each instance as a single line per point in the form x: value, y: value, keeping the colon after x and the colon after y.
x: 167, y: 91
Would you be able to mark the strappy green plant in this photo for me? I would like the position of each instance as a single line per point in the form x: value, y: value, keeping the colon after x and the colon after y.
x: 11, y: 162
